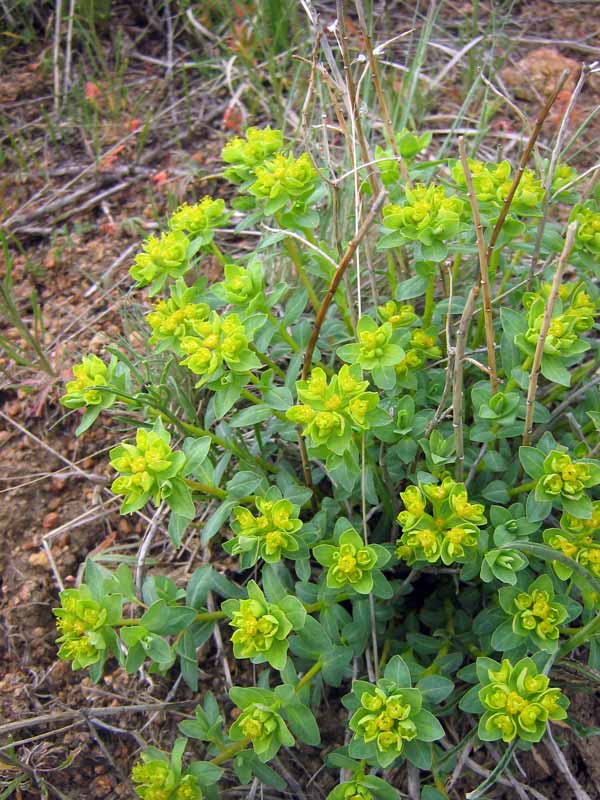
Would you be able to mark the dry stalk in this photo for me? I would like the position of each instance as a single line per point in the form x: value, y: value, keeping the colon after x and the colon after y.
x: 457, y: 382
x: 483, y: 269
x: 335, y: 281
x: 385, y: 114
x: 441, y: 411
x: 373, y: 177
x: 539, y: 350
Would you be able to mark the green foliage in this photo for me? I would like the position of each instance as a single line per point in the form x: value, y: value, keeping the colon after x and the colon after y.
x: 298, y: 418
x: 517, y: 701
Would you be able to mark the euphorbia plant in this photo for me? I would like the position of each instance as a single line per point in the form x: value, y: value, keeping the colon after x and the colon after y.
x: 395, y: 501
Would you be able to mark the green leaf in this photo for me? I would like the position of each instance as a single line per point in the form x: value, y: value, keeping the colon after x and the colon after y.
x: 504, y: 638
x: 537, y: 510
x: 217, y: 520
x: 177, y: 527
x: 243, y: 483
x: 206, y: 773
x: 335, y: 663
x: 418, y: 753
x: 180, y: 500
x: 470, y: 701
x: 513, y: 322
x: 428, y: 728
x: 496, y: 492
x: 396, y: 670
x: 553, y: 369
x: 532, y: 461
x: 413, y: 287
x: 245, y: 696
x: 195, y: 451
x: 251, y: 416
x: 435, y: 688
x: 199, y: 585
x: 303, y: 724
x: 581, y: 508
x: 158, y: 649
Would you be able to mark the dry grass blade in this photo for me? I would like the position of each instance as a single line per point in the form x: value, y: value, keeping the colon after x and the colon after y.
x: 483, y: 269
x: 539, y: 350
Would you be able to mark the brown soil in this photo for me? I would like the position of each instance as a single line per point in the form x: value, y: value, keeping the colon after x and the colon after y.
x: 63, y: 256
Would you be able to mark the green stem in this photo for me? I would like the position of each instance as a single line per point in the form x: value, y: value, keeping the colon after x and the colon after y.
x: 308, y: 676
x: 268, y: 362
x: 293, y: 252
x: 210, y: 616
x: 429, y: 301
x: 257, y: 401
x: 580, y: 637
x: 205, y: 488
x: 455, y: 268
x: 282, y: 331
x: 230, y: 751
x: 219, y: 254
x: 526, y: 487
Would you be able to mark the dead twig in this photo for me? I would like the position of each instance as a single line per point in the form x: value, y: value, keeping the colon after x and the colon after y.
x: 523, y: 163
x: 335, y: 282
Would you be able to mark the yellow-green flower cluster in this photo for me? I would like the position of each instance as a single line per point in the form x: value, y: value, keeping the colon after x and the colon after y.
x: 173, y: 319
x: 398, y: 315
x: 408, y: 144
x: 429, y: 216
x: 535, y: 613
x: 242, y: 286
x: 492, y: 183
x: 155, y: 779
x: 263, y: 725
x: 350, y: 562
x: 271, y: 535
x: 385, y: 720
x: 449, y: 533
x: 82, y: 622
x: 578, y: 307
x: 283, y: 180
x: 261, y: 628
x: 245, y: 155
x: 565, y: 479
x: 350, y: 790
x: 88, y: 375
x: 518, y: 701
x: 422, y: 346
x: 563, y: 175
x: 163, y: 257
x: 587, y: 238
x: 218, y: 342
x: 388, y: 716
x: 148, y: 469
x: 330, y: 412
x: 577, y: 539
x: 200, y: 220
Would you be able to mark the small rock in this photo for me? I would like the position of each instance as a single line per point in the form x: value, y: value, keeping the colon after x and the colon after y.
x: 537, y: 75
x: 50, y: 521
x: 124, y: 527
x: 101, y: 786
x: 39, y: 559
